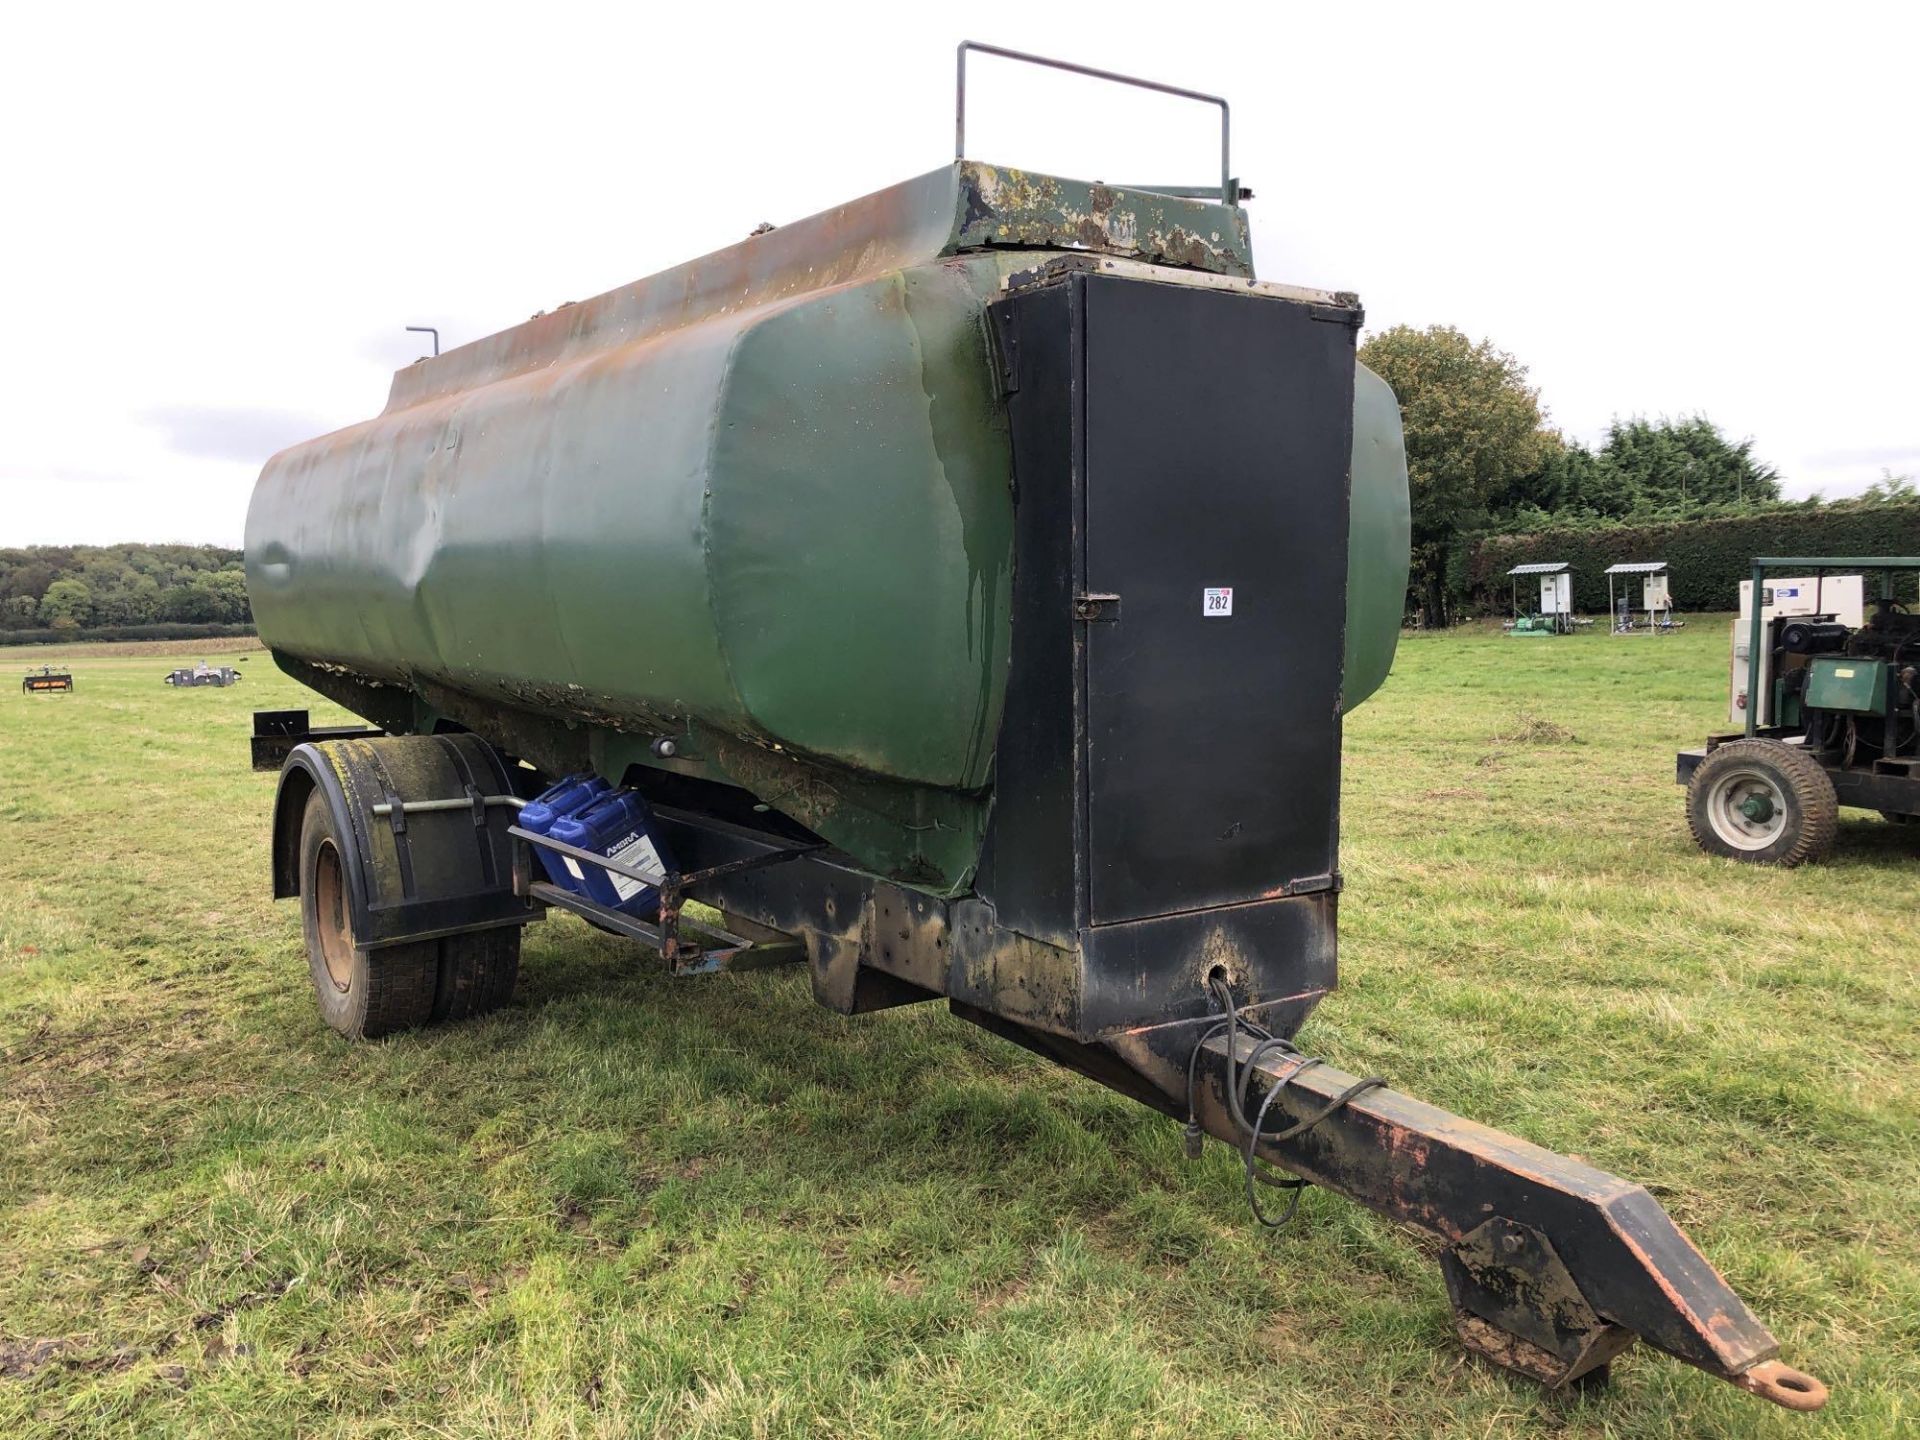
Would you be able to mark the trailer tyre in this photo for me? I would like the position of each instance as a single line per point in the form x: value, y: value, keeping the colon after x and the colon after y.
x: 475, y: 973
x: 363, y: 994
x: 1763, y: 802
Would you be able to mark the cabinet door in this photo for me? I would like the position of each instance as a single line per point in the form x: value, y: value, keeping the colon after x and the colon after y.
x: 1218, y: 438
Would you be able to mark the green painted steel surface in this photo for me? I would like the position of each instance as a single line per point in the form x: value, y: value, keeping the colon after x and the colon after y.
x: 1379, y: 537
x: 759, y: 505
x: 1846, y: 682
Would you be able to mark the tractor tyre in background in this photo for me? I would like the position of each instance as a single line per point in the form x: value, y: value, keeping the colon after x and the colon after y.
x: 1763, y: 802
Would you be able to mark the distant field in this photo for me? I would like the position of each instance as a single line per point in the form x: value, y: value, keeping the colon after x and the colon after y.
x: 636, y: 1206
x: 24, y: 657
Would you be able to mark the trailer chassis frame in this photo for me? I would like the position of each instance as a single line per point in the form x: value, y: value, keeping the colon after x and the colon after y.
x: 1553, y: 1267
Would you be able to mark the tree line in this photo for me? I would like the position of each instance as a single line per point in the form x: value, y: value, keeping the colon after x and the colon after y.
x: 1708, y: 555
x: 1483, y: 461
x: 71, y: 591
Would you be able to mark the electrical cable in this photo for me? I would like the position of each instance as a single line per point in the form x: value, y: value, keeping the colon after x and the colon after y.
x: 1239, y: 1082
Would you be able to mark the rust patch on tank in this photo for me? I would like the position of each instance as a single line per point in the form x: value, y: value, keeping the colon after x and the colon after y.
x: 1007, y: 207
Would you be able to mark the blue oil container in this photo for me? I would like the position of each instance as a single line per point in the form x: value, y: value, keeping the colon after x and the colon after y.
x: 619, y: 826
x: 538, y: 815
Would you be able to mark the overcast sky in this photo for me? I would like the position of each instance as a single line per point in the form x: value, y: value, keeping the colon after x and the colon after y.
x: 218, y: 220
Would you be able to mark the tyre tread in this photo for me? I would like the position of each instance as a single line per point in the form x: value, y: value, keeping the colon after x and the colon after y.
x: 400, y: 986
x: 393, y: 987
x: 1810, y: 792
x: 475, y: 973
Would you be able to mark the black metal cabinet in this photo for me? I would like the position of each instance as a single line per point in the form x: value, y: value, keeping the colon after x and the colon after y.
x: 1218, y: 443
x: 1182, y: 460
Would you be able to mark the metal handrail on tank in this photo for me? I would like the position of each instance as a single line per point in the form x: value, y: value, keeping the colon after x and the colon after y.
x: 1230, y: 193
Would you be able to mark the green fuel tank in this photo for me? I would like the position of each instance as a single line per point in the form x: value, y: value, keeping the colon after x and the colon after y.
x: 750, y: 519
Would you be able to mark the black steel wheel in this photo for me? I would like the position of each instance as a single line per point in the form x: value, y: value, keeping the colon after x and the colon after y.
x: 362, y: 993
x: 1763, y: 802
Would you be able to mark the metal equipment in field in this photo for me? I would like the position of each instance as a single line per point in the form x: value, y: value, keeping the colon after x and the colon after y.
x: 205, y: 674
x: 47, y: 681
x: 1826, y: 687
x: 1554, y: 615
x: 960, y: 591
x: 1656, y: 598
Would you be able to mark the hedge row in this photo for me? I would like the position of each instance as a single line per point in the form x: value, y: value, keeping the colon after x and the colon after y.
x: 40, y: 635
x: 1707, y: 558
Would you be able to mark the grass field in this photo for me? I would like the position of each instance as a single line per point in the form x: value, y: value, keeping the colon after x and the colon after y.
x: 635, y: 1206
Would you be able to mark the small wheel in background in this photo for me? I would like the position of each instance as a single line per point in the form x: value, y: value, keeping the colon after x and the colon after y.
x: 1899, y: 817
x: 1763, y: 802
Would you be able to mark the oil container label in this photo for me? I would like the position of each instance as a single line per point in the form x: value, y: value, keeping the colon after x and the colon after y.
x: 1216, y: 600
x: 637, y: 851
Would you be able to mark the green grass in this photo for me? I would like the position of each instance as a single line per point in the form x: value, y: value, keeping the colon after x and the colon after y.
x: 636, y: 1206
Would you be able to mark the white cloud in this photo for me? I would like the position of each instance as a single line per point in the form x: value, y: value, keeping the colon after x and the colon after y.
x: 232, y: 432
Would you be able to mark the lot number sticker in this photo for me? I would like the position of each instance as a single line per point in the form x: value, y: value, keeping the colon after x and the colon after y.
x: 1217, y: 601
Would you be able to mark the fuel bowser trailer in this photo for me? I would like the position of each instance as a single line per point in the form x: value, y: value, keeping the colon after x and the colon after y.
x: 960, y: 591
x: 1825, y: 685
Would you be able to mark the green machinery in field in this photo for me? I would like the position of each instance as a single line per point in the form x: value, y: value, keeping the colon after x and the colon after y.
x: 1825, y: 684
x: 960, y: 591
x: 1554, y: 614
